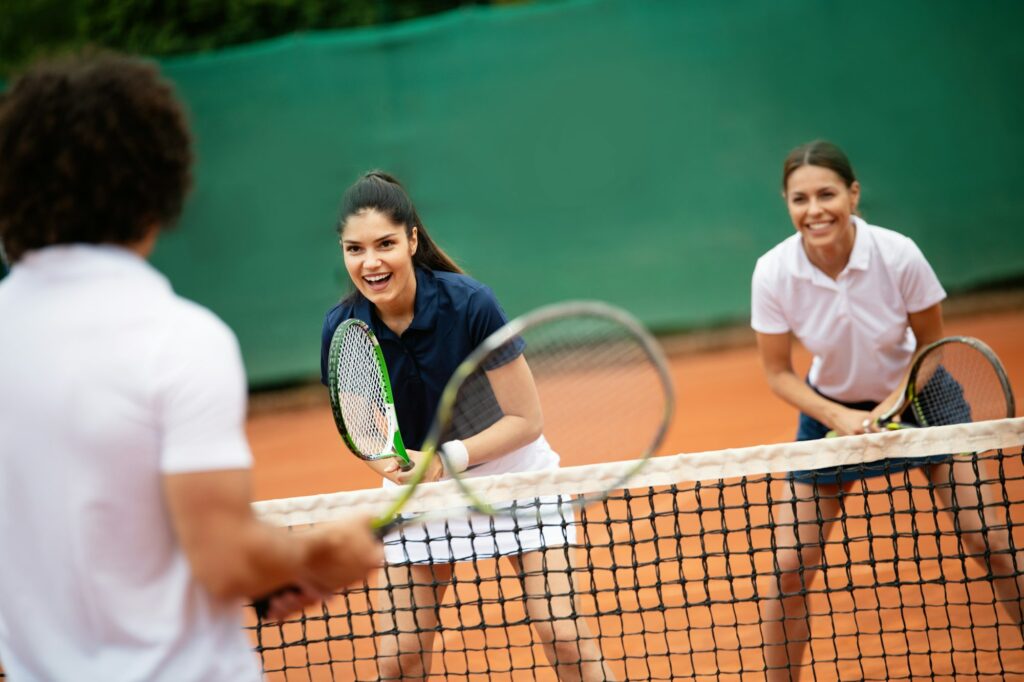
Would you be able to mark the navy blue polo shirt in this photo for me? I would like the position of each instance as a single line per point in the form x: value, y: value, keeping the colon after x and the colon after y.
x: 453, y: 314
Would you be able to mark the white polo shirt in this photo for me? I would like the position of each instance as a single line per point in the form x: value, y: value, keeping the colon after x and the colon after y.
x: 109, y: 382
x: 857, y: 325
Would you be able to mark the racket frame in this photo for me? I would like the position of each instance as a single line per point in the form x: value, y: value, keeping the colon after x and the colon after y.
x: 391, y: 520
x: 908, y: 398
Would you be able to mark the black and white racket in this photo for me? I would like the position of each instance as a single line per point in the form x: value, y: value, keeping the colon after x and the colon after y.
x: 954, y: 380
x: 605, y: 392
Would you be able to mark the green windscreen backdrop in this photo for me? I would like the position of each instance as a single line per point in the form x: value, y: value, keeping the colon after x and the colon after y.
x: 624, y: 150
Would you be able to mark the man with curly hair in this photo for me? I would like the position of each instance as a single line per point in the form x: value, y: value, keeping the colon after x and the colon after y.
x: 127, y: 541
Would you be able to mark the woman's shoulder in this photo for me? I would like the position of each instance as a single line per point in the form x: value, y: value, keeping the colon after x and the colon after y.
x: 884, y: 235
x: 468, y: 299
x: 461, y: 287
x: 342, y: 310
x: 458, y: 281
x: 779, y: 259
x: 891, y: 246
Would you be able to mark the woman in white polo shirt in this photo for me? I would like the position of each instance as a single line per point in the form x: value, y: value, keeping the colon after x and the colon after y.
x: 862, y: 299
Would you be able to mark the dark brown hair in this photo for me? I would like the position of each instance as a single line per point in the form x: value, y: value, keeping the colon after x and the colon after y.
x: 382, y: 192
x: 95, y: 149
x: 818, y: 153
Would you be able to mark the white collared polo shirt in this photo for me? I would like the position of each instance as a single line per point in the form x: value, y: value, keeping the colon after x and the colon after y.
x: 856, y: 326
x: 110, y: 382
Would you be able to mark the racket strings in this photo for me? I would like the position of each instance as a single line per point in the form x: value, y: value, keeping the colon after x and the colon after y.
x: 957, y: 384
x: 602, y: 395
x: 362, y: 394
x: 618, y: 404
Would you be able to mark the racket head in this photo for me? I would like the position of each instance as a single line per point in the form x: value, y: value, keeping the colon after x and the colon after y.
x: 361, y: 399
x: 956, y: 380
x: 603, y: 383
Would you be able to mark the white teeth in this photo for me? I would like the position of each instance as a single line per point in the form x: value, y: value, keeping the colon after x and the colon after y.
x: 377, y: 278
x: 817, y: 226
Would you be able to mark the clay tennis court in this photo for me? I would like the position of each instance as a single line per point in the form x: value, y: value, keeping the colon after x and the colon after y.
x: 723, y: 402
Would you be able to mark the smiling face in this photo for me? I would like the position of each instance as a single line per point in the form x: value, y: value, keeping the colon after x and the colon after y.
x: 378, y: 257
x: 821, y: 205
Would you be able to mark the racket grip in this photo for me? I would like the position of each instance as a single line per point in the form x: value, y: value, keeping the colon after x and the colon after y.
x: 406, y: 466
x: 262, y: 605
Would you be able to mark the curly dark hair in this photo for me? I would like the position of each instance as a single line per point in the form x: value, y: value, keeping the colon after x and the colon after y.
x: 95, y: 148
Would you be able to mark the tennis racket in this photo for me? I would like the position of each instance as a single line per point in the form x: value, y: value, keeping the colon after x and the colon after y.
x: 604, y: 388
x: 361, y: 397
x: 605, y: 393
x: 954, y: 380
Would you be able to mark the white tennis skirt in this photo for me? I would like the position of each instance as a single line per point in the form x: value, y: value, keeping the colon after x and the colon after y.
x: 527, y: 525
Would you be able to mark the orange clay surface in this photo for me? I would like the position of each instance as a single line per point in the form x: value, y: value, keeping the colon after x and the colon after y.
x: 723, y: 402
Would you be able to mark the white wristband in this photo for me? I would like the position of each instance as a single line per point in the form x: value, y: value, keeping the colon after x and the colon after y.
x: 455, y: 457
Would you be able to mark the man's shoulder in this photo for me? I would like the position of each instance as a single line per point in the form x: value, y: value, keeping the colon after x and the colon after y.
x: 187, y: 319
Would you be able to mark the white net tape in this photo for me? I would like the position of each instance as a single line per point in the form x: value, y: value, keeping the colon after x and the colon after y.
x: 664, y: 470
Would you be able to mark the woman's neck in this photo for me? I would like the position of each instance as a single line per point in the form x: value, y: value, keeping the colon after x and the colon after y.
x: 833, y: 258
x: 398, y: 314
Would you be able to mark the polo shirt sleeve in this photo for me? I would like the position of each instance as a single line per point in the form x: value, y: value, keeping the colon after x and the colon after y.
x: 918, y: 283
x: 767, y: 314
x: 485, y: 317
x: 201, y: 398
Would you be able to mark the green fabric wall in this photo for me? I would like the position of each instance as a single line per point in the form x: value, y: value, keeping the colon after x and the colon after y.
x: 626, y: 150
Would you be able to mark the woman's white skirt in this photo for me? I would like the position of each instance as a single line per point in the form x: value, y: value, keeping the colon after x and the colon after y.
x: 527, y: 525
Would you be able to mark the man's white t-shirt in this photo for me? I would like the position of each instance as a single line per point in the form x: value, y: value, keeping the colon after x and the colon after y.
x: 856, y: 325
x: 109, y: 382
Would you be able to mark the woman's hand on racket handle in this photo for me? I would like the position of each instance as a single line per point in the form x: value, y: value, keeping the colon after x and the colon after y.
x: 848, y: 422
x: 393, y: 471
x: 872, y: 423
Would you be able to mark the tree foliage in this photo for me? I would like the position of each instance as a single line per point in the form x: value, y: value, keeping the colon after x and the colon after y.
x: 30, y: 28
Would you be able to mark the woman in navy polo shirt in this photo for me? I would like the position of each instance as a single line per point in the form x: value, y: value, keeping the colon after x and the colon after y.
x: 862, y: 299
x: 428, y: 316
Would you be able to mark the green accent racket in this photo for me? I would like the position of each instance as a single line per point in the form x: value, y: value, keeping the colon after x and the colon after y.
x: 361, y: 397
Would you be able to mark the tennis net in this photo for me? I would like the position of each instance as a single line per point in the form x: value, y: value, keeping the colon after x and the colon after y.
x: 675, y: 577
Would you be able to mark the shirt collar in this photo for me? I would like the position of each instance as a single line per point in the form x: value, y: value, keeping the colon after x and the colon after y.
x: 860, y: 255
x: 89, y: 260
x: 424, y: 312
